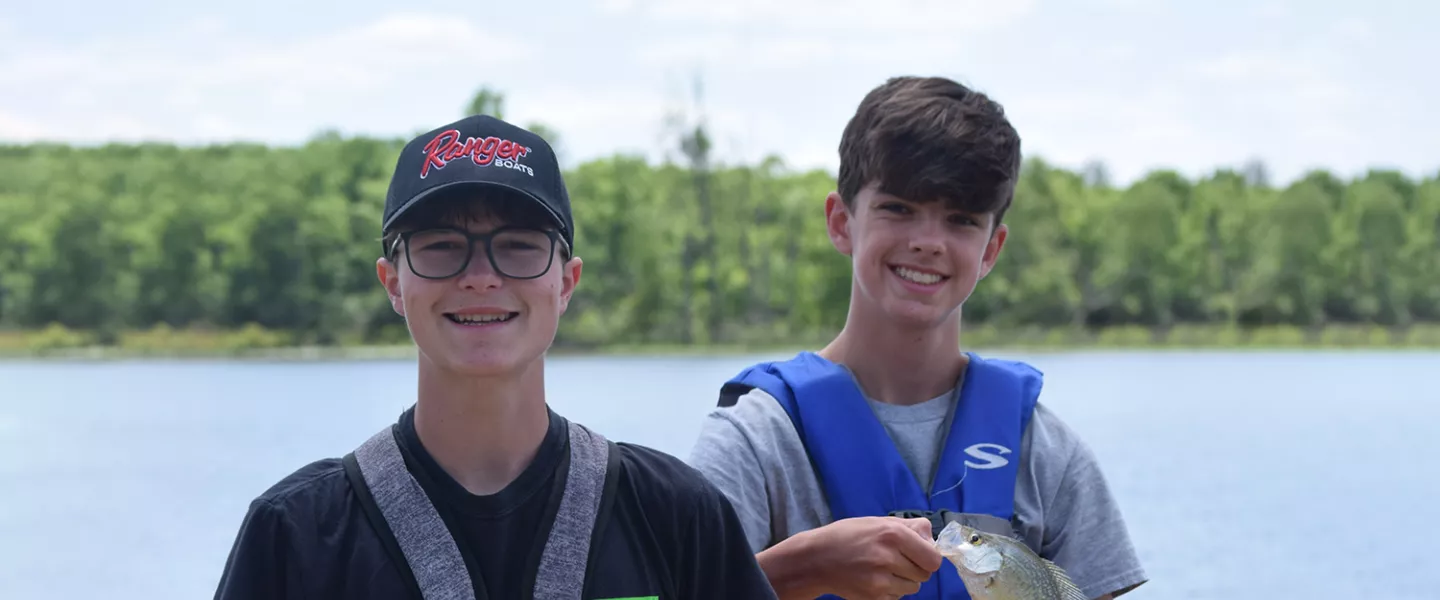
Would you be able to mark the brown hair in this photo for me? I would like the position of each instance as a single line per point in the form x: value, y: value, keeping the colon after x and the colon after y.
x: 929, y: 138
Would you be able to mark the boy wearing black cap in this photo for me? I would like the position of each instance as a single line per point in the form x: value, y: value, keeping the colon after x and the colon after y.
x: 480, y: 490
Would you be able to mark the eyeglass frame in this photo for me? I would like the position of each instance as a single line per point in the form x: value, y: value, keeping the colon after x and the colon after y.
x: 485, y: 238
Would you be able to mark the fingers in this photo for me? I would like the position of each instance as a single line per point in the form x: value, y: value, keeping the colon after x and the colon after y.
x: 908, y: 555
x: 902, y: 587
x: 921, y: 526
x: 889, y: 587
x: 907, y: 570
x: 921, y: 550
x: 901, y: 554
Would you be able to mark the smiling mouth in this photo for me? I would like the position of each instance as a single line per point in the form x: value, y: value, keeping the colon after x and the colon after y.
x: 919, y: 277
x: 486, y: 319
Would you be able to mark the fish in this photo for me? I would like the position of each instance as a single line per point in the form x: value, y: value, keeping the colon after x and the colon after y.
x: 996, y: 567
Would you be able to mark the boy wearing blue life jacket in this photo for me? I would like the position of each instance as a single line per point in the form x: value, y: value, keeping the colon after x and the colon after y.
x: 844, y: 463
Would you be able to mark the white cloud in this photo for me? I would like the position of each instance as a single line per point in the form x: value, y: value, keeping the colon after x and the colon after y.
x: 1286, y: 106
x: 627, y: 119
x: 759, y: 38
x: 1354, y: 29
x: 1116, y: 51
x: 1272, y: 10
x: 570, y: 108
x: 244, y: 79
x: 1283, y: 88
x: 205, y: 26
x: 1143, y: 128
x: 1247, y: 67
x: 101, y: 125
x: 359, y: 59
x: 213, y: 126
x: 736, y: 49
x: 780, y: 77
x: 17, y: 128
x: 184, y: 96
x: 899, y: 16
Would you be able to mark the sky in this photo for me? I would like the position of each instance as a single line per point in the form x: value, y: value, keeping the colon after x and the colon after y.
x: 1190, y: 86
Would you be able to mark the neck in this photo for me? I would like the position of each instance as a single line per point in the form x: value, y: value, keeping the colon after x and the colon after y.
x: 482, y: 431
x: 899, y: 365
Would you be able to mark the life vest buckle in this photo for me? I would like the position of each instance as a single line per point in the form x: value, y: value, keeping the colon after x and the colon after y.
x: 936, y: 517
x: 940, y: 518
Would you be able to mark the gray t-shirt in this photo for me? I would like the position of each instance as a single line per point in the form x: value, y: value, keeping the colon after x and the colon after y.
x: 1063, y: 505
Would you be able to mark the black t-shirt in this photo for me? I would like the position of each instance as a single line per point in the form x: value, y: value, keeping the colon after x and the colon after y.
x: 669, y: 533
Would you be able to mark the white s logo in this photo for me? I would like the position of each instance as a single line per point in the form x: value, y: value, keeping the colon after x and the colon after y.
x: 992, y: 461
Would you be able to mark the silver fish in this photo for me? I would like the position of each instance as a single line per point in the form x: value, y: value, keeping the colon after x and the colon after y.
x: 996, y: 567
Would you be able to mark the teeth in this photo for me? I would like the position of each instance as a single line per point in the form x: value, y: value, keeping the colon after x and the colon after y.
x: 916, y: 276
x: 474, y: 319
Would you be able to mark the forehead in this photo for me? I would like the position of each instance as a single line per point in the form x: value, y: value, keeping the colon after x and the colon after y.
x: 974, y: 197
x: 931, y: 204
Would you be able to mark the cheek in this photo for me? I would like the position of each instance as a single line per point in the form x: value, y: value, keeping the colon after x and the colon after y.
x: 416, y: 294
x: 871, y: 243
x: 975, y: 253
x: 544, y: 293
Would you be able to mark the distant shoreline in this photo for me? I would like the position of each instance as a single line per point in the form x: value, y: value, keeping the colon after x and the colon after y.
x: 254, y: 343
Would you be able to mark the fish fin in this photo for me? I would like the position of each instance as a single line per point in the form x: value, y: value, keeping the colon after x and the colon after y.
x: 1068, y: 589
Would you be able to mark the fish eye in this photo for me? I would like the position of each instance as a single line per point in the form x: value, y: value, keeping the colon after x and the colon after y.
x: 975, y: 539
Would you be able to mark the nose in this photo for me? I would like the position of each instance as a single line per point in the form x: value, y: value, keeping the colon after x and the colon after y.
x: 479, y: 274
x: 928, y: 238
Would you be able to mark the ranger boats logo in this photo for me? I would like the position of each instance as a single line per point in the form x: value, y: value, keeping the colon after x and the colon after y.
x: 484, y: 152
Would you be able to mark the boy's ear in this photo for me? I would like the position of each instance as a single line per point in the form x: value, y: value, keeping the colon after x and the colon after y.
x: 389, y: 275
x: 837, y: 222
x: 570, y: 277
x: 992, y: 249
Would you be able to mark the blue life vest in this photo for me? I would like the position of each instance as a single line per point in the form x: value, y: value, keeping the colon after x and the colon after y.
x: 862, y: 472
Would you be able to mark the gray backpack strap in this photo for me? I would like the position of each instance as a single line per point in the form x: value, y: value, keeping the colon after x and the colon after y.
x: 567, y: 551
x: 423, y: 538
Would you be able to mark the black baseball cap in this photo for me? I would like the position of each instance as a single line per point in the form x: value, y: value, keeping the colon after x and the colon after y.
x: 479, y: 152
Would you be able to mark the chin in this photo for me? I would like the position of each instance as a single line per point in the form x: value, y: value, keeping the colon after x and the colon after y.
x: 486, y: 361
x: 487, y: 368
x: 484, y: 366
x: 917, y: 318
x: 918, y: 314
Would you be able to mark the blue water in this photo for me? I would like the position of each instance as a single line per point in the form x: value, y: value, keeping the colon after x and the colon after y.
x: 1243, y: 476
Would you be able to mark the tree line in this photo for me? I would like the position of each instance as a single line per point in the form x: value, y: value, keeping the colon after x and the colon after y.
x: 129, y: 237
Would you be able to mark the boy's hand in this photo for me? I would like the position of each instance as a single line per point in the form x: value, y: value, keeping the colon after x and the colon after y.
x: 863, y: 558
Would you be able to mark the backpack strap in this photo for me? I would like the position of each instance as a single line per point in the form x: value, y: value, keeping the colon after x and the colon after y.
x: 563, y: 566
x: 402, y: 509
x: 602, y: 518
x: 419, y: 543
x: 382, y: 529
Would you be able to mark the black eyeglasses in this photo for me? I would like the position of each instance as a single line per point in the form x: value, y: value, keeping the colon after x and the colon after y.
x: 514, y: 252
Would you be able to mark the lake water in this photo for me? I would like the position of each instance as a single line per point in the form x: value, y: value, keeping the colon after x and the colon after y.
x: 1243, y: 476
